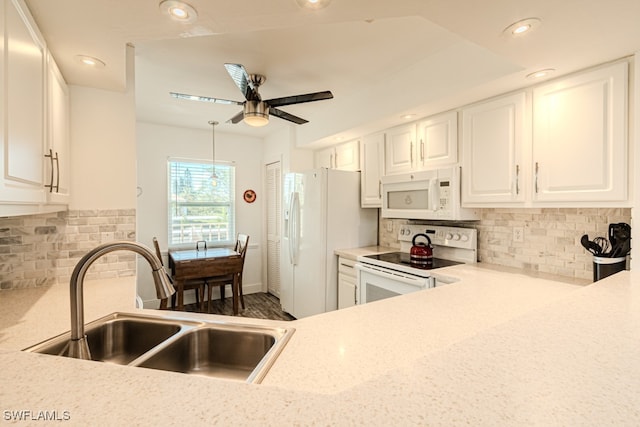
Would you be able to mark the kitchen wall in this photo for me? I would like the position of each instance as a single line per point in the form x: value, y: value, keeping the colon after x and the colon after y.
x: 43, y: 249
x: 551, y: 237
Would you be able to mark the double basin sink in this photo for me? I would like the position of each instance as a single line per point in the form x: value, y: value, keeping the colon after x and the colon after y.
x: 215, y: 349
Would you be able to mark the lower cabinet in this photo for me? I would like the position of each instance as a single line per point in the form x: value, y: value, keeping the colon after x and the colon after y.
x: 347, y: 283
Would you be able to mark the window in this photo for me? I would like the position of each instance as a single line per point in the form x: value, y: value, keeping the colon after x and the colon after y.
x: 201, y: 207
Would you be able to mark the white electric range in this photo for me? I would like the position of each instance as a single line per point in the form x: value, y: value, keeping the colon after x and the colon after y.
x: 390, y: 274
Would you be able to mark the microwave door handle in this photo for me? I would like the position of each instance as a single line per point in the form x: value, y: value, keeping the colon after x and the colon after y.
x: 434, y: 194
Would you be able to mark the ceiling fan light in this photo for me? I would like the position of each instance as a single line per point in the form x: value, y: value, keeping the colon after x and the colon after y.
x: 256, y: 113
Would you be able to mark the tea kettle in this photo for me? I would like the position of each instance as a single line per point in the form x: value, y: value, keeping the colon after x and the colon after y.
x: 421, y: 253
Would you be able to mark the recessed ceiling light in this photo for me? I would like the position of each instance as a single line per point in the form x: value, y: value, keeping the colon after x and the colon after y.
x: 521, y: 27
x: 179, y: 11
x: 90, y: 61
x: 313, y: 4
x: 541, y: 73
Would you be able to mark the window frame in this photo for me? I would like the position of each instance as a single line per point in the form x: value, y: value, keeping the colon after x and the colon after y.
x: 231, y: 232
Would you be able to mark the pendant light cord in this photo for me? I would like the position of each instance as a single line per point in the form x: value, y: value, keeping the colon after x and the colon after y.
x: 213, y: 147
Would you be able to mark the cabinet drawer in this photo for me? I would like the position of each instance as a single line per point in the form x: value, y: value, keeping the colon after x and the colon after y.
x: 346, y: 267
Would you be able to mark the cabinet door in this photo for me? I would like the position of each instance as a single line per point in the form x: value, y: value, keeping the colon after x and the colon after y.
x: 492, y: 139
x: 347, y: 156
x: 325, y: 158
x: 438, y: 140
x: 371, y: 161
x: 21, y: 157
x: 580, y: 138
x: 399, y: 149
x: 57, y: 165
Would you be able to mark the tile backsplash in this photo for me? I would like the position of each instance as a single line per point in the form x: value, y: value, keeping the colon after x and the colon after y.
x: 43, y: 249
x: 551, y: 237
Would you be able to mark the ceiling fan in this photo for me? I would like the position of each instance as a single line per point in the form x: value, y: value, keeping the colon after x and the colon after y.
x: 255, y: 111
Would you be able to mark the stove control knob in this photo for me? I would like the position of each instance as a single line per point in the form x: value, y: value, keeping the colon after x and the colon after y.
x: 448, y: 236
x: 464, y: 238
x: 456, y: 236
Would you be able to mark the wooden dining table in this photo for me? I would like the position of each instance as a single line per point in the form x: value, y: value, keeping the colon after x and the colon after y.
x: 204, y: 264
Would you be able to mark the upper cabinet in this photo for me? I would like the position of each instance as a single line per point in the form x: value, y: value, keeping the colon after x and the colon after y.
x: 437, y: 141
x: 57, y: 165
x: 493, y: 134
x: 372, y: 163
x: 399, y: 149
x: 580, y: 137
x: 345, y: 156
x: 32, y: 122
x: 566, y: 147
x: 23, y: 97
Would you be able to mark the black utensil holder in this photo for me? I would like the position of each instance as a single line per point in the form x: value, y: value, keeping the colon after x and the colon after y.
x: 604, y: 267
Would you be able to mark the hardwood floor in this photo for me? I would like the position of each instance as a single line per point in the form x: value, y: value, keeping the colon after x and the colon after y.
x: 258, y: 306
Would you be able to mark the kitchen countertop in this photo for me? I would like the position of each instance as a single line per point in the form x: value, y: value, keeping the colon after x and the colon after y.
x: 495, y: 348
x: 354, y: 253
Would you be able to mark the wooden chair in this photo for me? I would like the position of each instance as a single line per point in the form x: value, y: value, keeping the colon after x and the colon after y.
x: 242, y: 243
x: 196, y: 285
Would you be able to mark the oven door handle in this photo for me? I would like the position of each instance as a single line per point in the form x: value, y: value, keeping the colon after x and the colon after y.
x: 418, y: 282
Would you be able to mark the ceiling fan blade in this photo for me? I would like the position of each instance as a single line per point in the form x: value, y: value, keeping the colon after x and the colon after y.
x: 299, y: 99
x: 237, y: 118
x: 287, y: 116
x: 243, y: 81
x: 203, y: 98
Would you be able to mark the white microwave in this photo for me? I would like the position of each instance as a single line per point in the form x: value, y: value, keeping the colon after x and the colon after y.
x: 430, y: 194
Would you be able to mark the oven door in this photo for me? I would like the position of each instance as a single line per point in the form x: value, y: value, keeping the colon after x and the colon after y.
x: 376, y: 283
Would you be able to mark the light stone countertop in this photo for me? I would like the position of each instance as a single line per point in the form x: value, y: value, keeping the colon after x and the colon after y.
x: 494, y: 348
x: 354, y: 253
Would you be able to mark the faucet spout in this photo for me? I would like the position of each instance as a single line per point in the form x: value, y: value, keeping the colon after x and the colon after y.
x: 78, y: 347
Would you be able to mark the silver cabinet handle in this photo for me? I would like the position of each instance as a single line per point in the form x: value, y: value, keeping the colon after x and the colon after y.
x: 380, y: 189
x: 421, y: 150
x: 536, y: 181
x: 57, y: 174
x: 411, y: 152
x: 331, y: 161
x: 50, y: 186
x: 517, y: 179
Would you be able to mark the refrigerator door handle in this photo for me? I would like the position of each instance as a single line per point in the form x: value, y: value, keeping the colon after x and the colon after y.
x: 294, y: 232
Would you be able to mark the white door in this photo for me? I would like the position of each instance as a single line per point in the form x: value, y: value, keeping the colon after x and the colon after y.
x: 21, y: 158
x: 274, y: 198
x: 399, y: 149
x: 580, y: 138
x: 492, y: 141
x: 438, y: 140
x: 347, y: 156
x: 372, y: 157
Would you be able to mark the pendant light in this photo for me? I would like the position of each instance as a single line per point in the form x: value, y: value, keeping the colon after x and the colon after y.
x: 214, y: 177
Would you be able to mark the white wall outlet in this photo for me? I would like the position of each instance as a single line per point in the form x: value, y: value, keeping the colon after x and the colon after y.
x: 389, y: 226
x: 518, y: 234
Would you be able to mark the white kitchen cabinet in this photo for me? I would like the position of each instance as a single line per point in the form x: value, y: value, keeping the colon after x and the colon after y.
x: 345, y: 156
x: 493, y: 137
x: 437, y: 141
x: 347, y: 283
x: 372, y: 164
x: 399, y: 149
x: 57, y: 165
x: 23, y: 102
x: 580, y: 137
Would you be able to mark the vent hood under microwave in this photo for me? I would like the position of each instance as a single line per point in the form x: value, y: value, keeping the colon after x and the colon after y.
x: 430, y: 194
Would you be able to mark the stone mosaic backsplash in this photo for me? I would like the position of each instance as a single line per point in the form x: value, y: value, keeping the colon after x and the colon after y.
x: 551, y: 242
x: 43, y: 249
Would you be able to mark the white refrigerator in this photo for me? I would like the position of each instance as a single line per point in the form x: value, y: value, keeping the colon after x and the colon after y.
x: 321, y: 213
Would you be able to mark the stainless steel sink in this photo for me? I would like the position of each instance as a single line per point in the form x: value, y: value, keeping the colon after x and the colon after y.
x: 218, y: 352
x: 216, y: 349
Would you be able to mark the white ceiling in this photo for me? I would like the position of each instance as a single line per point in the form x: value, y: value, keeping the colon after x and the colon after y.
x: 380, y: 58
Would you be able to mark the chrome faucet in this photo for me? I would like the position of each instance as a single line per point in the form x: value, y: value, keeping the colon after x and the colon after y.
x: 78, y: 346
